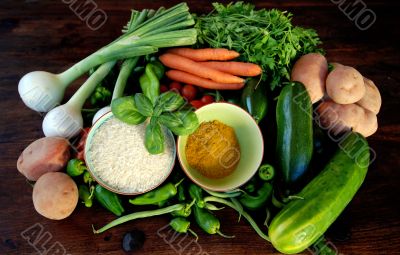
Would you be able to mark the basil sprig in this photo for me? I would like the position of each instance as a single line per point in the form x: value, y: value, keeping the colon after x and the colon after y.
x: 169, y: 111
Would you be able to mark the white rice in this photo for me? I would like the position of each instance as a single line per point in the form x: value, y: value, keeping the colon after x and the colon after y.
x: 119, y: 158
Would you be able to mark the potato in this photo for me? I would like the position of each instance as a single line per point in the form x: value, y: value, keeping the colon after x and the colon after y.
x: 345, y: 85
x: 368, y: 124
x: 55, y: 195
x: 47, y: 154
x: 372, y: 99
x: 335, y: 64
x: 339, y: 118
x: 311, y: 70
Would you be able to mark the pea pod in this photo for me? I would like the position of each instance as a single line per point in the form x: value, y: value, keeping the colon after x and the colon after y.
x: 303, y: 221
x: 109, y: 200
x: 156, y: 196
x: 294, y: 144
x: 256, y: 202
x: 254, y: 99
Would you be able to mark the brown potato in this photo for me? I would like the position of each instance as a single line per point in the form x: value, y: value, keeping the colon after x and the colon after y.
x: 372, y: 99
x: 368, y: 124
x: 339, y: 118
x: 311, y: 70
x: 47, y: 154
x: 335, y: 64
x: 345, y: 85
x: 55, y: 195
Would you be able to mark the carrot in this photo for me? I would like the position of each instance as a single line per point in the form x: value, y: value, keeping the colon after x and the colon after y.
x: 188, y: 78
x: 205, y: 54
x: 235, y: 68
x: 184, y: 64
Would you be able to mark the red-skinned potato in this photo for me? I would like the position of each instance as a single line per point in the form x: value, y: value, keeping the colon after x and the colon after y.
x: 345, y: 85
x: 55, y: 195
x: 339, y: 118
x: 311, y: 70
x: 372, y: 99
x: 47, y: 154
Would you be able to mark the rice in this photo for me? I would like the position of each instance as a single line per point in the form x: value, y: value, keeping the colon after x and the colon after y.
x: 117, y: 156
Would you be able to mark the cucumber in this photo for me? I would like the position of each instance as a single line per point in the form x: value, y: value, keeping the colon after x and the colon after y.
x: 294, y: 146
x: 301, y: 222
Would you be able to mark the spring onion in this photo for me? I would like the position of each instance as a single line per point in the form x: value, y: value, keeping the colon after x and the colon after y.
x: 137, y: 18
x: 126, y: 69
x: 66, y: 120
x: 42, y: 91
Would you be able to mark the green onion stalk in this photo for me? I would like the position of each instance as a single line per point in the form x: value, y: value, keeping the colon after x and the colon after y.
x: 42, y: 91
x: 139, y: 215
x: 243, y: 213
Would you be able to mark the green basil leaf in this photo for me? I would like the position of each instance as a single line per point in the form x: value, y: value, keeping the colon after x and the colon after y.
x: 169, y: 120
x: 144, y: 105
x: 150, y: 83
x: 154, y: 137
x: 190, y: 123
x: 169, y: 102
x: 124, y: 109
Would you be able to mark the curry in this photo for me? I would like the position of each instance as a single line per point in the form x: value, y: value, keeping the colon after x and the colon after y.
x: 213, y: 149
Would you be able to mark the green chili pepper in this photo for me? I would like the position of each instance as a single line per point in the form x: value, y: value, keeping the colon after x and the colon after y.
x: 108, y: 200
x: 156, y: 196
x: 254, y: 98
x: 76, y: 167
x: 196, y: 193
x: 250, y: 187
x: 181, y: 193
x: 182, y: 225
x: 87, y: 178
x: 100, y: 95
x: 208, y: 222
x: 185, y: 212
x: 150, y: 84
x: 85, y: 195
x: 266, y: 172
x: 158, y: 68
x: 257, y: 201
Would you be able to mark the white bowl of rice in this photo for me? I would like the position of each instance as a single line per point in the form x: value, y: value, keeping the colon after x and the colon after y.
x: 117, y: 159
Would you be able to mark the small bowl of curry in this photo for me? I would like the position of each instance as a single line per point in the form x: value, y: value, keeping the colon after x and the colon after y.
x: 225, y: 151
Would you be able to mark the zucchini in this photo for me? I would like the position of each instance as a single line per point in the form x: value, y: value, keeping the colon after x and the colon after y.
x: 301, y: 222
x: 294, y: 132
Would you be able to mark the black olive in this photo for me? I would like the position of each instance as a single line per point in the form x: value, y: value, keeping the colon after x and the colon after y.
x: 133, y: 240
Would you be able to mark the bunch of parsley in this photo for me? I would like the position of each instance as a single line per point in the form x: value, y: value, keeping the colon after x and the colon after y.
x: 265, y: 37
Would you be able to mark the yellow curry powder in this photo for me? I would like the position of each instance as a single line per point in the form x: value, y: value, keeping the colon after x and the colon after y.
x: 213, y: 149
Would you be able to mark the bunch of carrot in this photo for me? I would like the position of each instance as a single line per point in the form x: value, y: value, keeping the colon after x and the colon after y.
x: 208, y: 68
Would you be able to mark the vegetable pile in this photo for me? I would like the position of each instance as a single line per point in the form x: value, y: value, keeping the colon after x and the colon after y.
x: 349, y: 101
x: 234, y: 54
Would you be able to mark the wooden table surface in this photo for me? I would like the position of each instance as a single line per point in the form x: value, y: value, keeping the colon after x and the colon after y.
x: 47, y: 35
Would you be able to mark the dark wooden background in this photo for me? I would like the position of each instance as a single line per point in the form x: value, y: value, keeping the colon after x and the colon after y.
x: 46, y: 35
